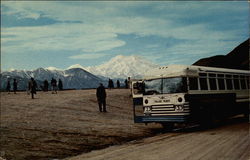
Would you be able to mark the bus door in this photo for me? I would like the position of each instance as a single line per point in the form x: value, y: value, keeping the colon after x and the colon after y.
x: 137, y: 94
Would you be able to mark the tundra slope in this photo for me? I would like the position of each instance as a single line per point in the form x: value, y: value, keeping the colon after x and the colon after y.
x: 65, y: 124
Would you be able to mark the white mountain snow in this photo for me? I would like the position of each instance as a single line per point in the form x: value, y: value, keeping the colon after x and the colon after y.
x: 123, y: 67
x: 77, y: 76
x: 76, y: 66
x: 53, y: 69
x: 72, y: 78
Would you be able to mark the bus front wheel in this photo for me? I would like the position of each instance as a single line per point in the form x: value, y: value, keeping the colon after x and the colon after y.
x: 168, y: 126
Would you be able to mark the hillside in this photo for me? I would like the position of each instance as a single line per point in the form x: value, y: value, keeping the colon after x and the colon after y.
x: 238, y: 58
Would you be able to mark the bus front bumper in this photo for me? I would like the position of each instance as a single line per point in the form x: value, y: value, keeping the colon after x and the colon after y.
x: 160, y: 119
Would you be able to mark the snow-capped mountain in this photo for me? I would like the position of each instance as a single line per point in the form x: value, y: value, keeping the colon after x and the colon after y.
x: 123, y: 67
x: 76, y: 78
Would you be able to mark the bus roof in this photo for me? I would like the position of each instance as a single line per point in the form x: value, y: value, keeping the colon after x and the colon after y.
x: 184, y: 70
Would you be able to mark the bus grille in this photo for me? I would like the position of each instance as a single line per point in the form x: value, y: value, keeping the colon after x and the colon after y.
x: 169, y: 110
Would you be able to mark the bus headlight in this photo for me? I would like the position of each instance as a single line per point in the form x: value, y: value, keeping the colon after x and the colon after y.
x: 179, y: 108
x: 147, y: 109
x: 146, y: 101
x: 180, y: 99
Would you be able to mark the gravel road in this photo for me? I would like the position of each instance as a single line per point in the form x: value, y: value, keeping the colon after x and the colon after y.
x: 230, y: 142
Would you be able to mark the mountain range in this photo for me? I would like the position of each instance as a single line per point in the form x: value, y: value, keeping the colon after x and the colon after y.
x: 78, y: 77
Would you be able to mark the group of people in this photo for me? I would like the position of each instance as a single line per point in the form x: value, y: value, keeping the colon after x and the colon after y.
x: 118, y: 85
x: 32, y: 86
x: 100, y: 91
x: 54, y: 86
x: 8, y: 87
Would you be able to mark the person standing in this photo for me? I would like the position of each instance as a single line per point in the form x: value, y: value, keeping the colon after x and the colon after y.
x: 109, y: 84
x: 112, y: 84
x: 118, y: 84
x: 126, y: 83
x: 15, y: 86
x: 45, y: 85
x: 60, y: 85
x: 101, y: 98
x: 54, y: 85
x: 8, y: 87
x: 32, y: 87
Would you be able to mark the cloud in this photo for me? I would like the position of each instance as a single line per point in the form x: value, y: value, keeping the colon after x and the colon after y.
x: 99, y: 23
x: 83, y: 37
x: 88, y: 56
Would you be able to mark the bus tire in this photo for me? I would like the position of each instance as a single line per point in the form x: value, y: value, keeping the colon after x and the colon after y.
x: 246, y: 117
x: 208, y: 119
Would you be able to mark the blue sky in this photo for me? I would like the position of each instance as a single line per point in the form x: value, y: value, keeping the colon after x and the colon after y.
x: 60, y: 34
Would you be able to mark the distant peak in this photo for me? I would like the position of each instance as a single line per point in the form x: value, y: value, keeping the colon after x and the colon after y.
x: 130, y: 57
x: 11, y: 70
x: 76, y: 66
x: 52, y: 68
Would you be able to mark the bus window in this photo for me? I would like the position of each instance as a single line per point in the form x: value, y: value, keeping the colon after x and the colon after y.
x: 221, y: 75
x: 243, y: 82
x: 193, y: 83
x: 174, y: 85
x: 229, y: 82
x: 203, y: 83
x: 236, y: 84
x: 165, y: 85
x: 221, y: 83
x: 202, y: 74
x: 138, y: 88
x: 212, y: 83
x: 248, y: 82
x: 212, y: 75
x: 153, y: 86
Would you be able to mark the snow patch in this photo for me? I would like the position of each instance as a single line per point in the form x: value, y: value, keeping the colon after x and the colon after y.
x: 53, y: 68
x: 76, y: 66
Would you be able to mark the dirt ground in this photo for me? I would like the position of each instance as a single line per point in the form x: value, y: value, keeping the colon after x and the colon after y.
x: 57, y: 126
x: 65, y: 124
x: 226, y: 142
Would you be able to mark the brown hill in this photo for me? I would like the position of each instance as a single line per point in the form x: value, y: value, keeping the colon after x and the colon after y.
x: 238, y: 58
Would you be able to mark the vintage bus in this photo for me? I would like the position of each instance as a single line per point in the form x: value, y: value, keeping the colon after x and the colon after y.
x: 181, y: 94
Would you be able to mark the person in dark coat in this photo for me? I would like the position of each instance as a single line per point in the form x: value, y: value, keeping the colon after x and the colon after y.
x: 126, y: 83
x: 54, y: 85
x: 60, y: 85
x: 118, y: 84
x: 32, y: 87
x: 45, y: 85
x: 110, y: 84
x: 8, y: 87
x: 101, y: 97
x: 15, y: 86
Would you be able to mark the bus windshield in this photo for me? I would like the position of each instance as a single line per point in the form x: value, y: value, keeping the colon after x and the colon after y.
x: 165, y: 85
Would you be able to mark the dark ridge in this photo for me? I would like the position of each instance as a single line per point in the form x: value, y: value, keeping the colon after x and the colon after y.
x: 238, y: 58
